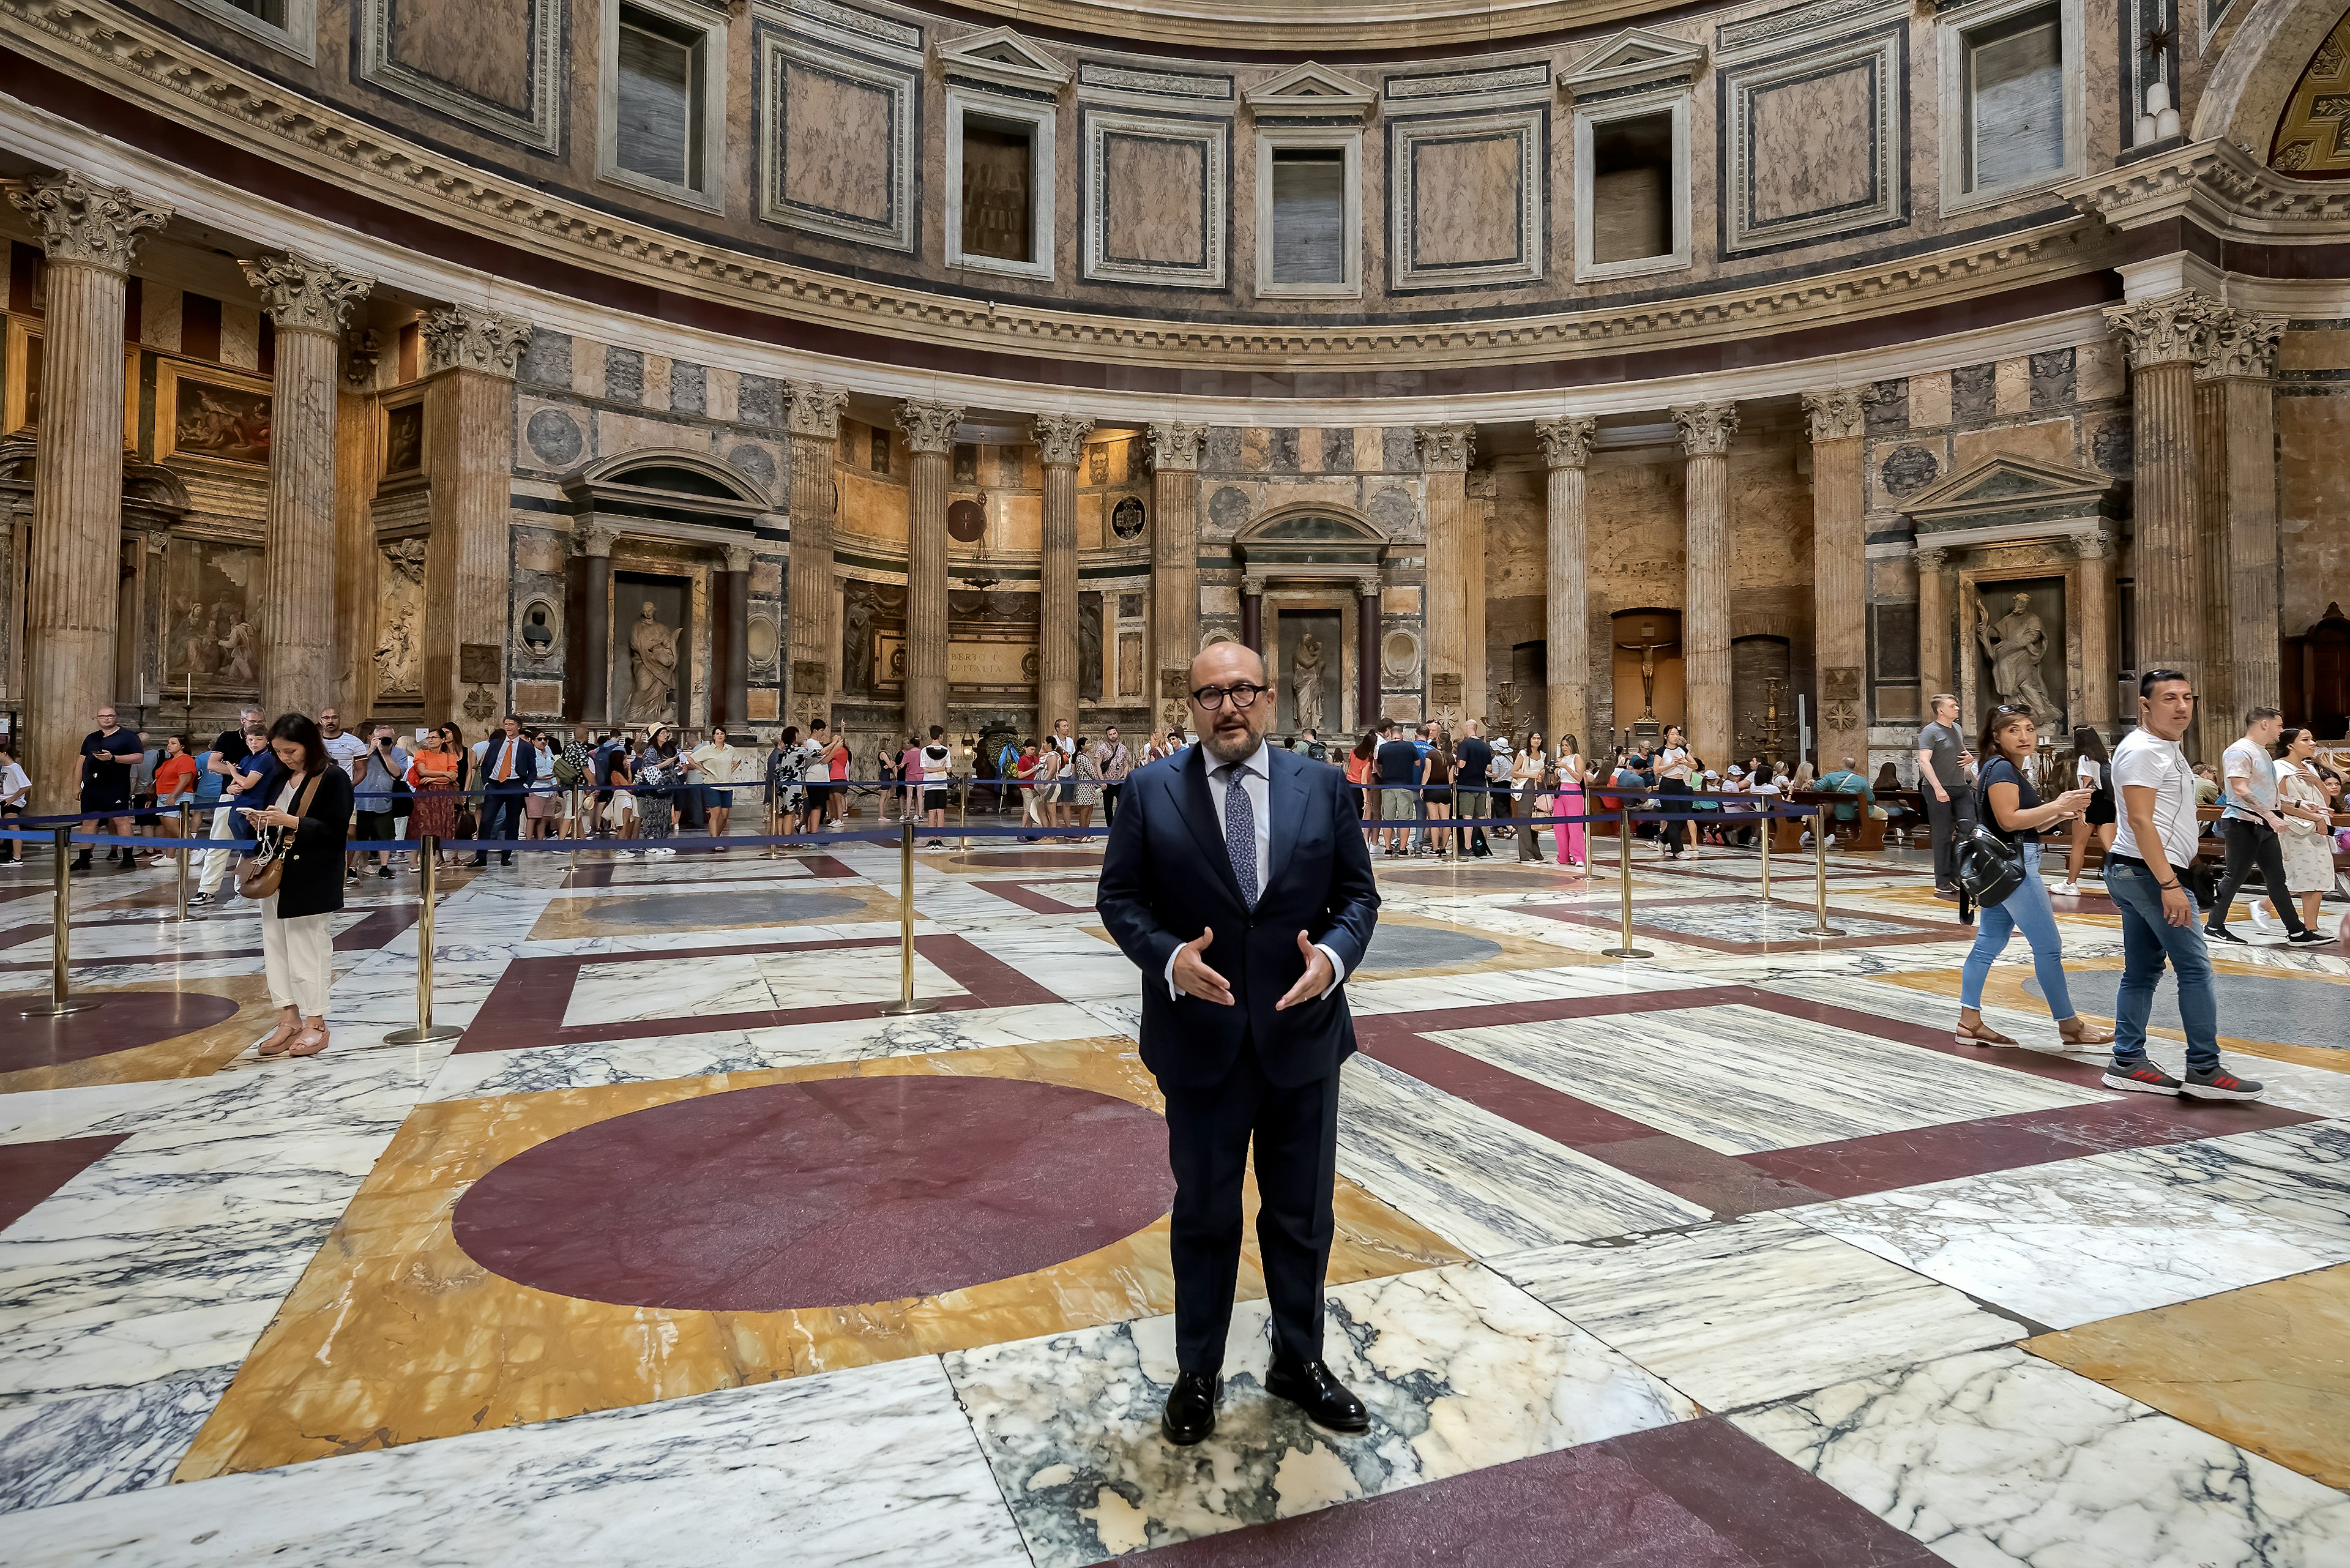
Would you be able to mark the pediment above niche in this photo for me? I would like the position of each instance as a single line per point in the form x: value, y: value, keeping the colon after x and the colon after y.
x: 1635, y: 57
x: 1310, y: 542
x: 1310, y: 90
x: 2018, y: 494
x: 1005, y: 58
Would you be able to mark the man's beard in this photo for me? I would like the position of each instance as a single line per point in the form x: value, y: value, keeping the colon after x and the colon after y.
x: 1229, y: 745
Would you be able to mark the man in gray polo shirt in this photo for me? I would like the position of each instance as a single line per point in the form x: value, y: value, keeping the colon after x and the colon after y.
x: 1949, y: 794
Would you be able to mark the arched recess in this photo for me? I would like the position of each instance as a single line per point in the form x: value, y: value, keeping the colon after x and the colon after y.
x: 2258, y: 66
x: 1322, y: 567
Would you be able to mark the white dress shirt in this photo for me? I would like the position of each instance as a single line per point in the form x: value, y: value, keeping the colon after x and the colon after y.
x: 1256, y: 777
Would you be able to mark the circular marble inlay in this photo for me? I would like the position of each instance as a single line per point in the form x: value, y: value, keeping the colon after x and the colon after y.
x: 128, y: 1021
x: 2276, y: 1008
x: 553, y: 436
x: 1426, y: 947
x: 687, y: 911
x: 824, y: 1193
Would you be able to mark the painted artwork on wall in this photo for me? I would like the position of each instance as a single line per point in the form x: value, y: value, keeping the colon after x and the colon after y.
x: 403, y: 439
x: 23, y: 388
x: 213, y: 415
x: 210, y: 617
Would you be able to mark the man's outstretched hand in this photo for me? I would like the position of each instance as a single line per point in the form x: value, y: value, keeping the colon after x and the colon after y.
x: 1312, y: 984
x: 1195, y: 978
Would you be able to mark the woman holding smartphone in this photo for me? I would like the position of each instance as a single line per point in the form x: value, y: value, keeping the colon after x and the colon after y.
x: 308, y: 816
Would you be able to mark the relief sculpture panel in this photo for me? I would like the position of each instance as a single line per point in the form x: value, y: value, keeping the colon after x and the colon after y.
x: 398, y: 663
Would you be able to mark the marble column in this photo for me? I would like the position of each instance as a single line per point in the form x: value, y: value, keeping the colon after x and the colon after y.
x: 1174, y: 562
x: 2164, y: 338
x: 593, y: 544
x: 1839, y: 569
x: 929, y: 436
x: 1933, y: 630
x: 1061, y: 443
x: 813, y: 416
x: 2235, y: 397
x: 733, y: 674
x: 356, y: 571
x: 470, y: 359
x: 2095, y: 612
x: 1367, y: 651
x: 90, y: 233
x: 1706, y: 428
x: 1444, y: 453
x: 1252, y: 610
x: 307, y: 301
x: 1566, y: 621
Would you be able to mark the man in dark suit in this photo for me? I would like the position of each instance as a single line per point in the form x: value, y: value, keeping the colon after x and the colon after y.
x: 509, y: 768
x: 1236, y: 876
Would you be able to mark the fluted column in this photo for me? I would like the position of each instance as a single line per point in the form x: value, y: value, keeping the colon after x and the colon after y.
x: 593, y: 545
x: 356, y: 554
x: 2236, y: 379
x: 1174, y: 561
x: 1444, y: 452
x: 307, y: 301
x: 1839, y: 567
x: 2097, y: 674
x: 2164, y: 337
x: 814, y: 417
x: 1061, y: 443
x: 1567, y: 623
x: 1366, y: 651
x: 929, y: 436
x: 89, y: 233
x: 1933, y: 631
x: 732, y: 675
x: 1706, y: 429
x: 470, y: 357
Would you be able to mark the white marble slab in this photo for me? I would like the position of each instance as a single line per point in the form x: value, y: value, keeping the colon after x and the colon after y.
x: 1460, y: 1370
x: 1997, y: 1457
x: 66, y: 1451
x: 868, y: 1466
x: 2296, y: 1175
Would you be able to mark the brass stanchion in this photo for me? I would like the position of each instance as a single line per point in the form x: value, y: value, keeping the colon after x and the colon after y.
x: 61, y: 1002
x: 182, y: 886
x: 1770, y: 830
x: 963, y: 814
x: 426, y: 1032
x: 905, y: 1002
x: 1625, y: 950
x: 1819, y: 926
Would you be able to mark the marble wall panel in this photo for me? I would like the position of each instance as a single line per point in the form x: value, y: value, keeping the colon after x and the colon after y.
x: 1929, y: 399
x: 837, y: 143
x: 1467, y: 208
x: 1812, y: 144
x: 1466, y: 198
x: 1814, y: 141
x: 495, y: 63
x: 2012, y: 386
x: 2051, y: 441
x: 1156, y: 196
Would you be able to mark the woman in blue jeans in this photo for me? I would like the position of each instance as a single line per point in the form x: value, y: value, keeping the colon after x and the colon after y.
x: 2014, y: 811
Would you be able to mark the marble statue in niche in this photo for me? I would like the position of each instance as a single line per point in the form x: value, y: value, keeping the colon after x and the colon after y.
x: 653, y: 670
x: 397, y: 668
x: 2016, y: 644
x: 1309, y: 682
x: 856, y: 645
x: 1090, y: 647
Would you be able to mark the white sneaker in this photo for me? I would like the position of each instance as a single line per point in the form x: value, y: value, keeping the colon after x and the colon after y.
x: 2263, y: 921
x: 2068, y: 890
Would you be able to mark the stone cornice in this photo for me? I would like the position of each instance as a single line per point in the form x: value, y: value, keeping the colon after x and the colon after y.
x: 305, y: 295
x: 91, y: 40
x: 2220, y: 186
x: 82, y: 221
x: 1565, y: 442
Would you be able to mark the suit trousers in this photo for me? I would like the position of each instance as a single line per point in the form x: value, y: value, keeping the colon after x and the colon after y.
x: 1950, y: 821
x: 1208, y: 1130
x: 501, y: 812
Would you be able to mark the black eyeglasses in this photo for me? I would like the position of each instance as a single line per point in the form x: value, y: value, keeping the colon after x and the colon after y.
x: 1244, y: 695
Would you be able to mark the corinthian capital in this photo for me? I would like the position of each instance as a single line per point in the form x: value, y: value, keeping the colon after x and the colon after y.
x: 458, y: 337
x: 1446, y: 449
x: 2238, y: 344
x: 1565, y: 442
x: 82, y: 221
x: 738, y: 558
x: 1176, y: 445
x: 594, y: 539
x: 812, y: 409
x: 1061, y: 438
x: 1838, y: 415
x: 929, y: 427
x: 1706, y: 428
x: 302, y: 295
x: 2166, y: 331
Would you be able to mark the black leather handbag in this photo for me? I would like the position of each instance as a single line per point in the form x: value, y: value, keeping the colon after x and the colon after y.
x: 1989, y: 867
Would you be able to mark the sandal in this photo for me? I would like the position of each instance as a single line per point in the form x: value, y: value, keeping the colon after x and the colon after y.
x: 1979, y: 1034
x: 309, y: 1042
x: 279, y: 1038
x: 2079, y: 1031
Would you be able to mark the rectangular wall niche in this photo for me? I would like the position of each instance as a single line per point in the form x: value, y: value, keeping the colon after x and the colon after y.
x: 1309, y: 212
x: 1155, y: 198
x: 1468, y: 200
x: 1813, y: 142
x: 1631, y: 179
x: 2011, y: 90
x: 999, y: 183
x: 662, y: 104
x: 494, y: 64
x: 838, y: 143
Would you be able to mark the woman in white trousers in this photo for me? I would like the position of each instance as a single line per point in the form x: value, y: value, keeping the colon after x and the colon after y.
x: 308, y: 816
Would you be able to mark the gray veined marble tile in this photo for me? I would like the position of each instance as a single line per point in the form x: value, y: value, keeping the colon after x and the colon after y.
x: 1461, y: 1371
x: 101, y: 1444
x: 2296, y: 1175
x: 1755, y: 1309
x: 1997, y: 1457
x: 1485, y: 1184
x: 874, y: 1467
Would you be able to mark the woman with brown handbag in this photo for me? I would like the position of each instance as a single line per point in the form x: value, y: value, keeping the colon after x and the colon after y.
x: 296, y: 873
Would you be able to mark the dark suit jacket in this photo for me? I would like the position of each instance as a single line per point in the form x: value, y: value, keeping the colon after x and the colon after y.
x: 312, y: 882
x: 525, y: 764
x: 1167, y: 876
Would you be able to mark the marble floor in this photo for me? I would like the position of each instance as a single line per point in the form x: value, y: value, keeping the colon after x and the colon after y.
x: 689, y: 1249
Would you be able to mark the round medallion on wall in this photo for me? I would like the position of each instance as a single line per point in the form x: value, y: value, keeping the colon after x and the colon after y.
x: 553, y: 435
x: 762, y: 641
x: 1126, y: 518
x: 1399, y: 656
x: 537, y: 632
x: 967, y: 522
x: 1909, y: 469
x: 755, y: 461
x: 1029, y: 666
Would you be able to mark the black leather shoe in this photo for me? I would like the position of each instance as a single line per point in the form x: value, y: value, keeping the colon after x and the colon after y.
x: 1326, y: 1401
x: 1190, y: 1413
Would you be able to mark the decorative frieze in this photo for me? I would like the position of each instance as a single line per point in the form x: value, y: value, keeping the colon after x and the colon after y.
x: 929, y: 427
x: 1706, y: 428
x: 458, y: 337
x: 1061, y: 438
x: 82, y: 221
x: 1567, y: 443
x: 305, y: 295
x: 1446, y: 448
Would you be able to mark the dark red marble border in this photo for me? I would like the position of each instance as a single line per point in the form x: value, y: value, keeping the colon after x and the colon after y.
x: 526, y: 1008
x: 30, y: 1173
x: 1032, y: 899
x: 1594, y: 916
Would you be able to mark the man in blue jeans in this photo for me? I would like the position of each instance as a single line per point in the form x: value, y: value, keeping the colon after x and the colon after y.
x: 2154, y: 840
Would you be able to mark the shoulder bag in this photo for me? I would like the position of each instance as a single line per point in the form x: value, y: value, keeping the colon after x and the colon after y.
x: 258, y: 873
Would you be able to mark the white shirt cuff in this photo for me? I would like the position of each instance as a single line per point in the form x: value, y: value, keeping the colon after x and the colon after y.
x: 1337, y: 967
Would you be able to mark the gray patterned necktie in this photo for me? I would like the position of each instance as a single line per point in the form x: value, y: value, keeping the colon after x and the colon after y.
x: 1240, y: 831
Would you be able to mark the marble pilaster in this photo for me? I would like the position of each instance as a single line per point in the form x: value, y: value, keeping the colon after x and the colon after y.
x: 470, y: 359
x: 1444, y: 453
x: 929, y: 437
x: 1933, y: 627
x: 1253, y: 587
x: 2235, y: 397
x: 2095, y: 601
x: 1174, y: 562
x: 2163, y: 337
x: 1061, y: 443
x: 1839, y: 569
x: 88, y: 232
x: 1368, y: 597
x: 1706, y: 428
x: 814, y: 418
x: 1566, y: 627
x: 592, y: 545
x: 356, y: 450
x: 733, y: 618
x: 307, y: 301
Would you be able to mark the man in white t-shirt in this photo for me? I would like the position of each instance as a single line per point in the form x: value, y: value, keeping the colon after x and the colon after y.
x: 2253, y: 830
x: 934, y: 781
x: 2154, y: 840
x: 345, y: 749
